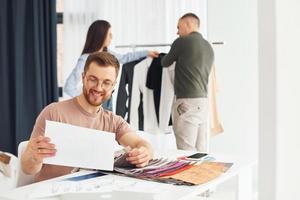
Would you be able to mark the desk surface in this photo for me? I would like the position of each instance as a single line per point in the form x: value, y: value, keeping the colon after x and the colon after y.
x: 120, y: 183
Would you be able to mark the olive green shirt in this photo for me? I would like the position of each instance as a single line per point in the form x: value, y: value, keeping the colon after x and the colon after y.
x: 194, y: 57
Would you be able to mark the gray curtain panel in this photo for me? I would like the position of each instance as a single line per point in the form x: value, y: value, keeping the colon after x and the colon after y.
x: 28, y: 77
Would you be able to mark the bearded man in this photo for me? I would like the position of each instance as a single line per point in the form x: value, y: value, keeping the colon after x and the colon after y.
x: 99, y: 78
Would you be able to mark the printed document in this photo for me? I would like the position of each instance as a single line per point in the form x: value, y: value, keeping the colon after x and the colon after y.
x: 80, y: 147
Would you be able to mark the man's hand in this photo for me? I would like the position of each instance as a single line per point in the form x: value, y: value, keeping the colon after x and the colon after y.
x: 153, y: 54
x: 139, y: 157
x: 40, y: 148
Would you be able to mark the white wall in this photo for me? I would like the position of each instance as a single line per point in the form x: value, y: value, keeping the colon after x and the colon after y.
x: 279, y: 65
x: 288, y: 99
x: 235, y: 22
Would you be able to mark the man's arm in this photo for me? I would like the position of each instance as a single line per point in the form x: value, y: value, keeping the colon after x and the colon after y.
x: 173, y: 54
x: 39, y: 146
x: 141, y: 151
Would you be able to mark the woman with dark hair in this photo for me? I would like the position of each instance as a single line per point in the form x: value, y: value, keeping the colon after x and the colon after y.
x: 98, y: 39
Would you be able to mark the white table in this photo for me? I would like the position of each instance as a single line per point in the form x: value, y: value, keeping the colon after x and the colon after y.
x: 242, y: 169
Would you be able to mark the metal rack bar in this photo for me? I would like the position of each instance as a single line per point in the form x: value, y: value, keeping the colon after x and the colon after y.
x: 159, y: 45
x: 142, y: 45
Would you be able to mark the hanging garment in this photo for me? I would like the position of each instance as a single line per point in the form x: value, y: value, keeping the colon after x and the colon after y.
x: 154, y: 78
x: 215, y: 123
x: 167, y: 97
x: 124, y: 91
x: 139, y: 88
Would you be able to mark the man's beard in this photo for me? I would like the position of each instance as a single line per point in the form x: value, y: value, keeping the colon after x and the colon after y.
x: 92, y: 100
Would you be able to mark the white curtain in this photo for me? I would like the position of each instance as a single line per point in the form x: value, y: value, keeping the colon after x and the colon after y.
x: 133, y: 22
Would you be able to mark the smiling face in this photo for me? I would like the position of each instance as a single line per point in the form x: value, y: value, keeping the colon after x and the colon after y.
x: 98, y: 82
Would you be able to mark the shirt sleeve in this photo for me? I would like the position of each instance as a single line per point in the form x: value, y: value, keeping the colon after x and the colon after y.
x: 40, y: 123
x: 129, y: 57
x: 73, y: 85
x: 172, y: 56
x: 121, y: 127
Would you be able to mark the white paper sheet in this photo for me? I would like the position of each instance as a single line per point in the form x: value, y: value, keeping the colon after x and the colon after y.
x: 80, y: 147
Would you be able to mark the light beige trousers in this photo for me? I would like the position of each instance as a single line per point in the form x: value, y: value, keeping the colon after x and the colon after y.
x: 190, y: 124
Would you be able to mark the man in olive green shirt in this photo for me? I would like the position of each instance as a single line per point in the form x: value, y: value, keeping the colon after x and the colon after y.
x: 194, y: 57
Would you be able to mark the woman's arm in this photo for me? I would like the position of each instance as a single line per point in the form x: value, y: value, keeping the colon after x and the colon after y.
x: 74, y: 81
x: 132, y: 56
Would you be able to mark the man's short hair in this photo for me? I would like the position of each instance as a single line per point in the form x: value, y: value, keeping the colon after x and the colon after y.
x: 193, y: 16
x: 103, y: 59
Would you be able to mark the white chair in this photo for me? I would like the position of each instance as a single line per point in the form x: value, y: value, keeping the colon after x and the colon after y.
x: 8, y: 183
x: 160, y: 141
x: 23, y: 179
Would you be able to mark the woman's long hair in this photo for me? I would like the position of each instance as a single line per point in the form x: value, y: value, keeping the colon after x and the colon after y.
x: 96, y: 36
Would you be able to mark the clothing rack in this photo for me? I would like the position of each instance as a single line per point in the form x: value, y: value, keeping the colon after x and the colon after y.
x: 218, y: 43
x: 133, y: 46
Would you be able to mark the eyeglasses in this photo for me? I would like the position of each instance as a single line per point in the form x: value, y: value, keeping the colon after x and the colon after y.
x: 104, y: 84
